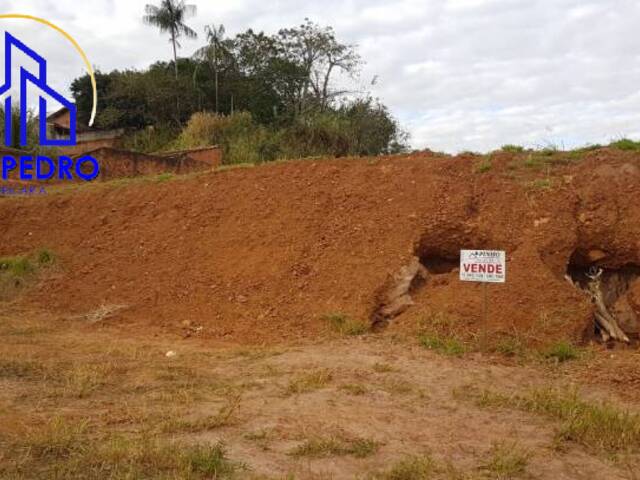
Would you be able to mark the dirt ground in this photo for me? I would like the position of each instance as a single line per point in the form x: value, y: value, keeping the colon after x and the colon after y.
x: 341, y: 407
x: 218, y: 325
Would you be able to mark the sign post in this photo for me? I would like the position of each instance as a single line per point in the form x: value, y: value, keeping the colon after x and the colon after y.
x: 486, y: 266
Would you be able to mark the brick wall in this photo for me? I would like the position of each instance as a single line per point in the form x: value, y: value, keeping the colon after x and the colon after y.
x: 210, y: 155
x: 116, y: 163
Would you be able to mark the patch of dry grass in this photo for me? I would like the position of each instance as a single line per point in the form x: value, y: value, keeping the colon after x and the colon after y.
x: 601, y: 427
x: 22, y: 369
x: 345, y: 325
x: 356, y: 389
x: 507, y: 460
x: 69, y: 449
x: 308, y: 382
x: 415, y: 467
x: 227, y: 415
x: 335, y: 446
x: 380, y: 367
x: 84, y: 379
x: 398, y: 386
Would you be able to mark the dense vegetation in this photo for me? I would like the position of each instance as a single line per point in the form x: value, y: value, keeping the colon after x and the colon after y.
x: 260, y: 96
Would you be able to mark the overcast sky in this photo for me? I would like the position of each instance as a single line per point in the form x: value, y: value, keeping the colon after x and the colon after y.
x: 458, y: 74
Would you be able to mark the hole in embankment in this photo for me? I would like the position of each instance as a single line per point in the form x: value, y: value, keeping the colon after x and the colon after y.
x: 614, y: 293
x: 438, y: 264
x: 437, y: 255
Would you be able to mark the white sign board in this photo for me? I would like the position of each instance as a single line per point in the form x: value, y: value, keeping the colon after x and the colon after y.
x: 483, y: 266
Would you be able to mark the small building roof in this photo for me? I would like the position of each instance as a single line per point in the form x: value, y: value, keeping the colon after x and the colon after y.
x: 58, y: 113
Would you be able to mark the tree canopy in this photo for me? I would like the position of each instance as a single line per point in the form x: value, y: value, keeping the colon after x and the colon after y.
x: 286, y: 82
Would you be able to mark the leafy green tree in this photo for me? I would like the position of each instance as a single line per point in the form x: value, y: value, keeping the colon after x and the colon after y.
x: 319, y: 55
x: 266, y: 82
x: 170, y: 17
x: 372, y: 129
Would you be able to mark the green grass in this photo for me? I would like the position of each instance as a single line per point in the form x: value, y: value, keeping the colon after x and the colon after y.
x: 59, y: 438
x: 506, y: 461
x: 512, y: 148
x: 511, y: 347
x: 45, y: 257
x: 342, y: 324
x: 164, y: 177
x: 541, y: 184
x: 538, y: 159
x: 562, y: 352
x: 601, y: 427
x: 63, y: 448
x: 442, y: 333
x: 20, y: 266
x: 417, y: 467
x: 484, y: 165
x: 625, y: 144
x: 323, y: 447
x: 16, y: 271
x: 575, y: 155
x: 210, y: 461
x: 442, y: 344
x: 590, y: 147
x: 534, y: 161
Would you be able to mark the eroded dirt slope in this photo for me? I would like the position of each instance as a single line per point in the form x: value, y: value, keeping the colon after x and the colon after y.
x: 260, y: 254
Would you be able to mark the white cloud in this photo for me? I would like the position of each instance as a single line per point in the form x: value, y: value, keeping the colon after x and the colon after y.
x: 460, y: 74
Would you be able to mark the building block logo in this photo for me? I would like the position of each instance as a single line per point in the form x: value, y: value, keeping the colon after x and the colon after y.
x: 21, y: 165
x: 28, y: 81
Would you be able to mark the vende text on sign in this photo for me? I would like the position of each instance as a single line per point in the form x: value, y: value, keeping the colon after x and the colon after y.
x: 483, y: 266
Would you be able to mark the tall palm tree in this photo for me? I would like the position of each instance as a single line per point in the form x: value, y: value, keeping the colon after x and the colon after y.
x: 210, y: 52
x: 170, y: 16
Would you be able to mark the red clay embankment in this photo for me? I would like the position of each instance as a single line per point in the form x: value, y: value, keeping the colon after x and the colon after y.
x: 260, y: 254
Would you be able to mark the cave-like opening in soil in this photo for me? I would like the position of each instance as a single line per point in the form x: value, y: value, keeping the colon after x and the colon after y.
x: 614, y: 315
x: 437, y: 261
x: 438, y: 264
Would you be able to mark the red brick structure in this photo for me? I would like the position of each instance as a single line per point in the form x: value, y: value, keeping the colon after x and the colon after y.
x: 115, y: 163
x: 211, y: 155
x: 87, y: 139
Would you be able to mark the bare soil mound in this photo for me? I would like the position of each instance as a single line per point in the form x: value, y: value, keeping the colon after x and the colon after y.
x: 261, y: 254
